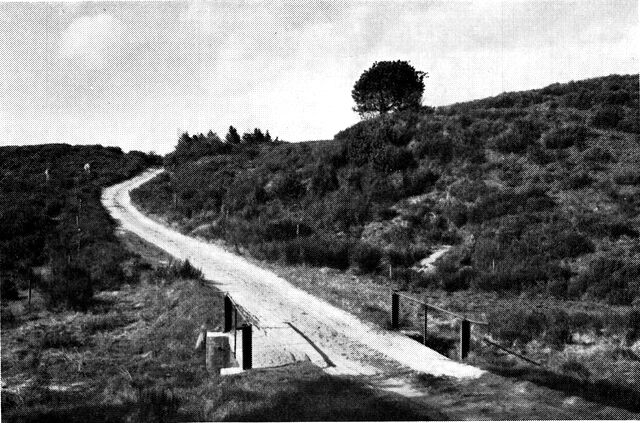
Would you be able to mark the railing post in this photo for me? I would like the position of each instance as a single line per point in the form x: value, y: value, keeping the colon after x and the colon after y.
x: 465, y: 338
x: 246, y: 347
x: 228, y: 313
x: 424, y: 335
x: 395, y: 310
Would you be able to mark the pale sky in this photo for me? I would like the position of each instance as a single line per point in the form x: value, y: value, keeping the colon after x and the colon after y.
x: 137, y: 74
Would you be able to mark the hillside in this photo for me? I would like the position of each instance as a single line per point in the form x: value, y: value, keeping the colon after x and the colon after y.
x: 536, y: 190
x: 530, y: 200
x: 54, y: 233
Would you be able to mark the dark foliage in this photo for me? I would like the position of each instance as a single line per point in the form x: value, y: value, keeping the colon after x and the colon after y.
x: 58, y: 221
x: 567, y: 136
x: 388, y: 86
x: 367, y: 257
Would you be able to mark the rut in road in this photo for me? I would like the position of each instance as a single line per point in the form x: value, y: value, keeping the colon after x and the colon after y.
x: 291, y: 324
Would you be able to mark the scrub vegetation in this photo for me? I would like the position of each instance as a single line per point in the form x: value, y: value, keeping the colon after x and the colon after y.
x: 536, y: 193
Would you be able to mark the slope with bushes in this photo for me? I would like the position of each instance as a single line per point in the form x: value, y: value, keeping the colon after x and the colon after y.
x: 534, y: 189
x: 54, y: 234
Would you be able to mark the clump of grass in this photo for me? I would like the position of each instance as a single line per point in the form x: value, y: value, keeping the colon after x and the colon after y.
x: 104, y: 323
x: 179, y: 270
x: 60, y: 338
x: 157, y: 404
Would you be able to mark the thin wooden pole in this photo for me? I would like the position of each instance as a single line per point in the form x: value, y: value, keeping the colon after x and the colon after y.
x: 424, y: 336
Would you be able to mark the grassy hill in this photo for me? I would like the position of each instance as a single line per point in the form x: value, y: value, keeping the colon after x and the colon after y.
x: 536, y: 190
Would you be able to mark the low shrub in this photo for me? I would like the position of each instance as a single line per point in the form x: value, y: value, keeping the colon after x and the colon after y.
x: 522, y: 133
x: 577, y: 181
x: 104, y: 323
x: 607, y: 116
x: 567, y: 136
x: 59, y: 337
x: 573, y: 368
x: 628, y: 178
x: 558, y: 328
x: 458, y: 280
x: 633, y: 326
x: 72, y: 286
x: 366, y: 257
x: 406, y: 256
x: 185, y: 270
x: 598, y: 155
x: 611, y: 279
x: 569, y: 244
x: 8, y: 318
x: 281, y: 230
x: 8, y: 288
x: 517, y: 325
x: 157, y: 404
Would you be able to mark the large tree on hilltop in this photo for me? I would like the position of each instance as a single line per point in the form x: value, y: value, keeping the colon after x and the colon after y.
x: 388, y: 86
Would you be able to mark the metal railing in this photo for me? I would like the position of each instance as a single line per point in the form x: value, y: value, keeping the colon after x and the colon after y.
x: 465, y: 322
x: 465, y: 334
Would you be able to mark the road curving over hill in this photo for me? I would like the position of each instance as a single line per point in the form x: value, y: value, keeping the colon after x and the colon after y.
x: 291, y: 324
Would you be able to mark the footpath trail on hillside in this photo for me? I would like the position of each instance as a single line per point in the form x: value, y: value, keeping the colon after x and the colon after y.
x: 291, y: 324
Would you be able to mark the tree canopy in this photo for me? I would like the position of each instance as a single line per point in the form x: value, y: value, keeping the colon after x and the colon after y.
x: 388, y: 86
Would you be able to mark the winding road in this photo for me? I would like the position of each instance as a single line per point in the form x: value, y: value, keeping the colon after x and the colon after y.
x: 291, y: 324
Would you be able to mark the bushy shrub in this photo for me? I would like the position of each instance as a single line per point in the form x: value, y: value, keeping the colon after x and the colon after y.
x: 405, y: 257
x: 577, y: 181
x: 611, y: 279
x: 367, y: 257
x: 521, y: 133
x: 8, y: 288
x: 511, y: 325
x: 104, y: 322
x: 598, y: 155
x: 179, y: 270
x: 558, y: 328
x: 570, y: 244
x: 72, y: 286
x: 628, y: 178
x: 288, y: 187
x: 60, y: 337
x: 606, y: 116
x: 157, y: 404
x: 283, y: 229
x: 510, y: 202
x: 599, y: 226
x: 633, y: 326
x: 567, y: 136
x: 458, y: 280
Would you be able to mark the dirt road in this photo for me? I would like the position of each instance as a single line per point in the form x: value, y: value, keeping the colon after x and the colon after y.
x: 291, y: 324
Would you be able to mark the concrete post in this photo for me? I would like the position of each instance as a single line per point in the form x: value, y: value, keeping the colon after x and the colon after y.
x: 218, y: 352
x: 246, y: 347
x: 228, y: 314
x: 465, y: 338
x: 395, y: 310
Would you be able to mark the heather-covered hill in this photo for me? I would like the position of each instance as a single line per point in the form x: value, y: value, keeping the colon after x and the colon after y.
x: 536, y: 190
x: 56, y: 223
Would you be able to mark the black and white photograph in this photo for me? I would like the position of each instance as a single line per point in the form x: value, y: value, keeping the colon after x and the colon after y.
x: 367, y: 210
